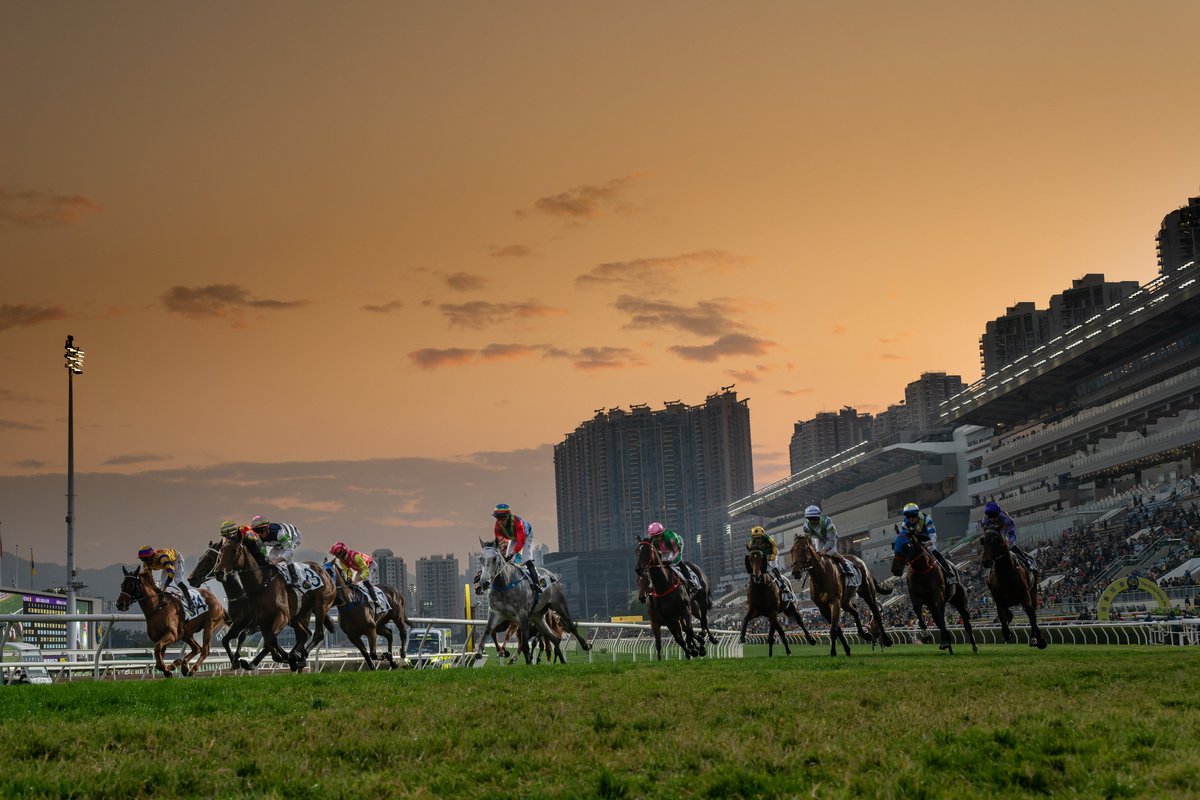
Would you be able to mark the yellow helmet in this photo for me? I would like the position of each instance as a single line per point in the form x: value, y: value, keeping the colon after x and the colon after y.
x: 758, y: 530
x: 229, y: 528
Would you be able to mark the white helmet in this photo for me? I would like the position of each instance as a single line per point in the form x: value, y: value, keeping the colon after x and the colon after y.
x: 812, y: 511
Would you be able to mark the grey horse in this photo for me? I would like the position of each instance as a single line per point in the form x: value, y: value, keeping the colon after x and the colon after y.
x: 510, y: 598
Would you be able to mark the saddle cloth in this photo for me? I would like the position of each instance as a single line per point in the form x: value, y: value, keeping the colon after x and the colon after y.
x: 309, y: 577
x: 855, y: 576
x: 199, y: 604
x: 379, y: 600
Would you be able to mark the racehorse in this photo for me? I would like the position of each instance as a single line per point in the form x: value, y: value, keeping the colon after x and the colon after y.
x: 165, y: 623
x: 511, y: 598
x: 274, y: 604
x: 927, y: 587
x: 763, y: 600
x: 242, y: 621
x: 358, y: 619
x: 1011, y: 585
x: 668, y: 601
x: 831, y: 593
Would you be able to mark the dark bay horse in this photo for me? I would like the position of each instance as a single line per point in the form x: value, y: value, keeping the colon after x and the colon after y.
x: 274, y: 604
x: 763, y: 599
x: 668, y: 602
x: 832, y: 595
x: 359, y: 620
x: 927, y: 587
x: 165, y: 619
x: 1011, y: 585
x: 242, y: 621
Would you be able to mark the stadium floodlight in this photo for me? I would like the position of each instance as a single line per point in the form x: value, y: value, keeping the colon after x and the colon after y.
x: 74, y: 366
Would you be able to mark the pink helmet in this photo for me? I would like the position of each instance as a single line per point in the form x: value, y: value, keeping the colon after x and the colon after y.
x: 655, y: 529
x: 338, y: 549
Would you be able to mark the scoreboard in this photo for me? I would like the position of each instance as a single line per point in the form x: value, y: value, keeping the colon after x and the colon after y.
x: 46, y: 635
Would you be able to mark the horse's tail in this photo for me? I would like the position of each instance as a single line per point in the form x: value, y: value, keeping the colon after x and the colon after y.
x: 884, y: 587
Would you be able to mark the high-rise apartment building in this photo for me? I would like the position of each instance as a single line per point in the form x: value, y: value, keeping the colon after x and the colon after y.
x: 827, y: 434
x: 1087, y: 297
x: 1179, y: 237
x: 682, y: 466
x: 438, y: 591
x: 392, y: 571
x: 923, y: 397
x: 1005, y: 339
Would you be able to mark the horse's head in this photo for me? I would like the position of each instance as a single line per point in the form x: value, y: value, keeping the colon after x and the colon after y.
x: 992, y: 546
x: 647, y: 556
x: 230, y: 557
x: 491, y: 564
x: 904, y: 550
x: 131, y: 589
x: 204, y: 566
x: 758, y: 565
x: 804, y: 555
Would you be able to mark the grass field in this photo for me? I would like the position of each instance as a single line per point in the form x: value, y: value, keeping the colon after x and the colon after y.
x: 911, y: 722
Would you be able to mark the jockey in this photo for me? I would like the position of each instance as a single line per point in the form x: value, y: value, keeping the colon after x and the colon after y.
x: 994, y: 519
x: 517, y: 535
x: 170, y: 562
x: 764, y: 542
x: 231, y: 528
x: 281, y: 539
x: 670, y: 550
x: 819, y: 527
x: 354, y: 566
x: 919, y: 526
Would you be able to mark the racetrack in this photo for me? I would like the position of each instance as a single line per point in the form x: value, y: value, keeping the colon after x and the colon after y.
x: 910, y: 722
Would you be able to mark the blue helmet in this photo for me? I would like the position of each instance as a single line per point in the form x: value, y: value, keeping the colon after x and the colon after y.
x: 991, y: 508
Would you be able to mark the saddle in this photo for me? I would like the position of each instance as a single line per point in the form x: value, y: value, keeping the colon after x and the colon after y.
x: 187, y: 595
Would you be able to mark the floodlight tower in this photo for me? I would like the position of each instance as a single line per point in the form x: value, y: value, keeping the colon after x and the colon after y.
x: 74, y: 367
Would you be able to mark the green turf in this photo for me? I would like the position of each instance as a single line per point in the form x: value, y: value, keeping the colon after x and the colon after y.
x: 911, y: 722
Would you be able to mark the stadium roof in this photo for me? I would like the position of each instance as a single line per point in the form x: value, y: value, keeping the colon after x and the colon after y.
x: 1158, y: 312
x: 841, y: 473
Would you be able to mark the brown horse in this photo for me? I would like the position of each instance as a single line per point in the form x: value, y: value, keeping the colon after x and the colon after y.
x: 764, y: 600
x: 1011, y: 585
x: 165, y: 622
x: 927, y: 587
x: 241, y: 621
x: 359, y: 620
x: 274, y: 604
x: 831, y: 594
x: 668, y: 601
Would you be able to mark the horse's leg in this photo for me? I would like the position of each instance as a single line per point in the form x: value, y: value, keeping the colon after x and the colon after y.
x: 867, y: 593
x: 746, y: 624
x: 159, y: 648
x: 867, y: 637
x: 569, y: 624
x: 386, y: 633
x: 357, y: 641
x: 959, y: 601
x: 835, y: 630
x: 1035, y: 637
x: 189, y: 638
x: 1005, y: 614
x: 791, y: 611
x: 917, y: 606
x: 774, y: 619
x: 656, y: 629
x: 237, y: 629
x: 676, y: 629
x: 938, y: 612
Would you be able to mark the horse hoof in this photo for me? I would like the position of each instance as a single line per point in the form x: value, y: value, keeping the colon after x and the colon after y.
x: 246, y: 665
x: 1041, y: 644
x: 185, y: 671
x: 812, y: 642
x: 168, y: 674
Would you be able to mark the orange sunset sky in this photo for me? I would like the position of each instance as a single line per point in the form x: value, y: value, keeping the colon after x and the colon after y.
x: 408, y: 234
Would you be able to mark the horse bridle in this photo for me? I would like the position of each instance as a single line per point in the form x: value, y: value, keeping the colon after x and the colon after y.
x: 675, y: 582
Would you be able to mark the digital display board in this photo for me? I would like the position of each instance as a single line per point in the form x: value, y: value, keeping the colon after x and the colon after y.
x: 48, y: 635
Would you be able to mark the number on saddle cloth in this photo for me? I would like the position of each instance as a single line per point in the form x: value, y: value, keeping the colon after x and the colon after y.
x: 199, y: 604
x: 309, y: 578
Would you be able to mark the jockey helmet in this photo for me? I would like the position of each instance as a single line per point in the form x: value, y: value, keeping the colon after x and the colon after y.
x: 501, y: 510
x: 338, y: 549
x: 145, y: 552
x: 229, y: 528
x: 655, y: 529
x: 912, y: 510
x: 812, y: 512
x: 259, y: 522
x: 758, y: 530
x: 992, y: 509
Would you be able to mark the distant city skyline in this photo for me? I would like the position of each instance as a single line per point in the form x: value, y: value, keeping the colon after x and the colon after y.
x: 360, y: 271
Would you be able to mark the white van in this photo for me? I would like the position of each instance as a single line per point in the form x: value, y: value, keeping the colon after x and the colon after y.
x: 22, y: 663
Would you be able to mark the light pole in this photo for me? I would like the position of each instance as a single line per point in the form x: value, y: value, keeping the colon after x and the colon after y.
x: 74, y: 367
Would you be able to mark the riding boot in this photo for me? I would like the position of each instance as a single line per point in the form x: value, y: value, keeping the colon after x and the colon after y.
x: 533, y: 577
x: 950, y: 572
x: 785, y: 593
x: 370, y: 592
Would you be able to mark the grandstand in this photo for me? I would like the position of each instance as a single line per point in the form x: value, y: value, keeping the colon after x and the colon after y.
x: 1083, y: 441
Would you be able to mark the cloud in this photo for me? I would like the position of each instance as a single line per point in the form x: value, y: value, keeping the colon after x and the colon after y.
x: 902, y: 335
x: 507, y: 352
x: 13, y: 396
x: 12, y: 425
x: 838, y: 329
x: 586, y: 202
x: 30, y: 209
x: 466, y: 282
x: 30, y: 463
x: 733, y: 344
x: 220, y: 300
x: 480, y: 314
x: 752, y: 374
x: 390, y: 307
x: 659, y: 272
x: 433, y: 358
x: 511, y: 251
x: 705, y: 318
x: 293, y: 503
x: 796, y: 392
x: 892, y: 357
x: 126, y: 459
x: 590, y: 359
x: 23, y: 315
